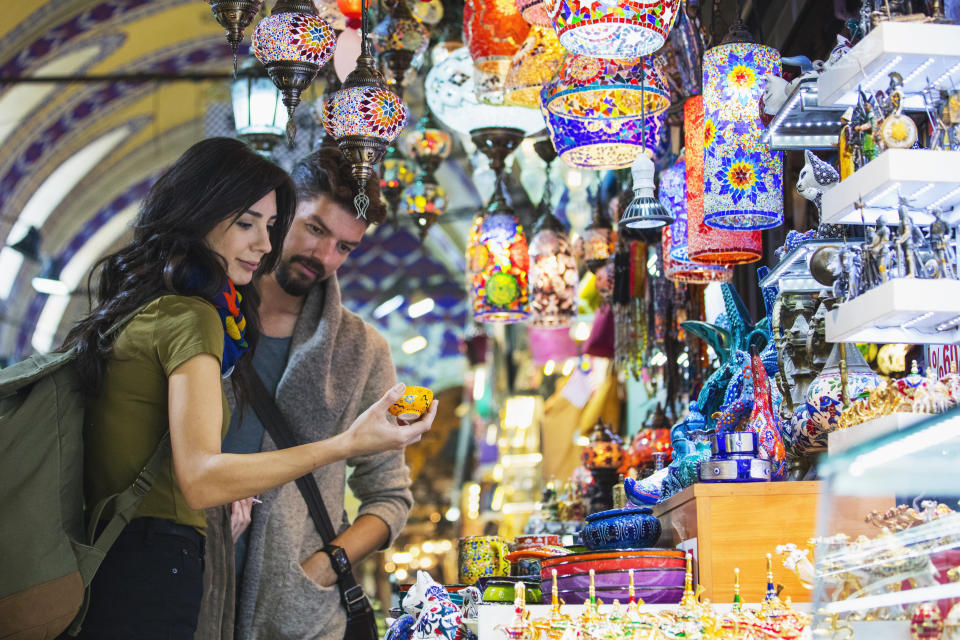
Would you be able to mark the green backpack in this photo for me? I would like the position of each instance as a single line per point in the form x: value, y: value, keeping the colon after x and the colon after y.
x: 49, y: 552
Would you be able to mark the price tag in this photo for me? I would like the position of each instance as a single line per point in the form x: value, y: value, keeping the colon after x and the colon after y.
x: 943, y: 358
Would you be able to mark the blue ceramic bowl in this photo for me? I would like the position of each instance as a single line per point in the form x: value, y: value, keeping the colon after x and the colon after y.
x: 630, y: 528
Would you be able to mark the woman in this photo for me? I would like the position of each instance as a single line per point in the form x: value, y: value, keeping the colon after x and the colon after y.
x: 211, y: 223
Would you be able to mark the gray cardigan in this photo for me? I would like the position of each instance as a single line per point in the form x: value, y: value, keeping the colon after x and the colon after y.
x: 338, y: 366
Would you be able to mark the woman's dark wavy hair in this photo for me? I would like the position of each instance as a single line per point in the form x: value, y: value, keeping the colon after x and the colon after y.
x: 215, y: 179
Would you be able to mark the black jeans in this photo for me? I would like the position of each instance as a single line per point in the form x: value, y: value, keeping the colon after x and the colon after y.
x: 149, y: 585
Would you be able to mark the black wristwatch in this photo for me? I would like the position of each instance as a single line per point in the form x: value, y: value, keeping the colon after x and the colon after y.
x: 338, y: 559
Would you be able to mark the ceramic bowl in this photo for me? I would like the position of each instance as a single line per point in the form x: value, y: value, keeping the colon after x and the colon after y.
x: 413, y: 403
x: 503, y: 589
x: 534, y: 541
x: 630, y: 528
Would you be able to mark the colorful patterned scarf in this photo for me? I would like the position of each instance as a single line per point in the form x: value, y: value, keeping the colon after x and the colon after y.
x: 227, y: 302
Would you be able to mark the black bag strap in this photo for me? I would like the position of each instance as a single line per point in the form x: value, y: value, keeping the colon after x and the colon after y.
x: 351, y: 594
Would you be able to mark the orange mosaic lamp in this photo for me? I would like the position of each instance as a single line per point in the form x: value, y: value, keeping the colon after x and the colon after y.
x: 493, y: 31
x: 535, y: 63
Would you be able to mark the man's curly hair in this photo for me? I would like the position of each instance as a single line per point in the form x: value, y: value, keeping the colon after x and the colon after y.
x: 327, y: 172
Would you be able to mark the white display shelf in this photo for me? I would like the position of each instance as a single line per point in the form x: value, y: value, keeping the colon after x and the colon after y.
x: 802, y: 123
x: 844, y: 439
x: 926, y: 178
x: 919, y: 52
x: 902, y: 310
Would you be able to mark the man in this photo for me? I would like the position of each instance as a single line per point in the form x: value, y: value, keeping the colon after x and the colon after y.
x: 327, y: 366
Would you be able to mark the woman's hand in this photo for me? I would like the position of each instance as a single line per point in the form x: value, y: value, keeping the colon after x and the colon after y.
x: 373, y: 431
x: 240, y: 512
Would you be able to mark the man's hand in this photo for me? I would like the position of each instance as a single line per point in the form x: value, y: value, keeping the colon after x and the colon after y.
x: 318, y: 568
x: 240, y: 517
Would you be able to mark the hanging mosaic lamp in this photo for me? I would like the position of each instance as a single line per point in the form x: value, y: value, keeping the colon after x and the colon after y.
x: 613, y: 29
x: 235, y: 16
x: 554, y: 279
x: 707, y: 245
x: 501, y: 259
x: 535, y: 63
x: 603, y: 143
x: 427, y: 144
x: 364, y: 117
x: 425, y: 200
x: 396, y: 174
x: 599, y: 239
x: 293, y: 43
x: 330, y: 13
x: 743, y: 178
x: 688, y: 272
x: 493, y: 31
x: 606, y: 88
x: 398, y: 40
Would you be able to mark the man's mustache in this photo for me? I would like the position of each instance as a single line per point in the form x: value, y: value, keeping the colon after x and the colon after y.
x: 314, y: 265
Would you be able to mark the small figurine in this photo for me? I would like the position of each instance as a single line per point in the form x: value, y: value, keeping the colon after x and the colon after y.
x: 908, y: 259
x: 845, y: 145
x: 943, y: 264
x: 897, y: 131
x: 879, y: 249
x: 848, y: 269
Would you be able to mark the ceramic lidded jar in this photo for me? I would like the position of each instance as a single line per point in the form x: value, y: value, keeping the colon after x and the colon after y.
x: 824, y: 401
x: 630, y: 528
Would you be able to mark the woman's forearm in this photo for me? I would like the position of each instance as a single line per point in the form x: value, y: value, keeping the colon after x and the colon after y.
x: 220, y: 478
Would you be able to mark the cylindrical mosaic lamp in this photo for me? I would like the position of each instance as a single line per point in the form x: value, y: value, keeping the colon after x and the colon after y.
x: 708, y: 245
x: 743, y: 179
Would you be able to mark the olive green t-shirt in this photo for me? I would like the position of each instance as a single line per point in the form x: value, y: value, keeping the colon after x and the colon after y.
x: 128, y: 419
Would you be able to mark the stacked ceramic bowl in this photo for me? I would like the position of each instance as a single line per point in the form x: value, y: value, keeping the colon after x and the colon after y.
x: 657, y: 575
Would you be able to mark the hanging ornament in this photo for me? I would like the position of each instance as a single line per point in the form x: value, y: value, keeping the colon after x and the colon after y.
x: 599, y: 239
x: 536, y: 62
x: 364, y: 117
x: 553, y: 269
x: 535, y: 13
x: 677, y: 266
x: 293, y: 43
x: 396, y: 174
x: 707, y: 245
x: 235, y: 16
x: 501, y: 259
x: 425, y: 200
x: 398, y: 40
x: 598, y: 88
x: 351, y: 9
x: 607, y: 29
x: 743, y: 179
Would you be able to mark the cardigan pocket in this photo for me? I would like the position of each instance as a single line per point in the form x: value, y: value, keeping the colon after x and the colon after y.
x: 307, y: 610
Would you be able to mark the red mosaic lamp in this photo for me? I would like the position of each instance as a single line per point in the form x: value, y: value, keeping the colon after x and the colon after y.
x: 493, y: 31
x: 705, y: 244
x: 293, y: 43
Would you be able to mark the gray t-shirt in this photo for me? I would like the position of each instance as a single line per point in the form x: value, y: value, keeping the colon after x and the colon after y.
x: 245, y: 434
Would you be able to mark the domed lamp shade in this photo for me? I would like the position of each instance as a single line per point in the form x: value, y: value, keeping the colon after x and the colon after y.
x: 743, y: 178
x: 645, y: 210
x: 451, y: 97
x: 258, y: 112
x: 595, y: 88
x: 364, y: 117
x: 501, y: 258
x: 553, y: 269
x: 398, y: 40
x: 611, y: 143
x: 608, y: 29
x: 535, y: 63
x: 705, y: 244
x: 535, y: 12
x: 293, y: 43
x: 235, y: 16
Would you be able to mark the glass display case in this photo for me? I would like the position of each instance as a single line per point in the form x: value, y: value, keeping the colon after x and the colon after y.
x: 904, y: 581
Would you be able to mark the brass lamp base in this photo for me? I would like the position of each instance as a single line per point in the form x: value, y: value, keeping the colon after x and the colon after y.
x: 235, y: 16
x: 292, y: 78
x: 497, y: 143
x: 363, y: 153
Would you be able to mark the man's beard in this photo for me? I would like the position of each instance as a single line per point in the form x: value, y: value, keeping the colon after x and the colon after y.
x: 295, y: 283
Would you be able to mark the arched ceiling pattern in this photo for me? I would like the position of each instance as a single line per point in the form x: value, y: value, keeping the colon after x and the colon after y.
x: 77, y: 157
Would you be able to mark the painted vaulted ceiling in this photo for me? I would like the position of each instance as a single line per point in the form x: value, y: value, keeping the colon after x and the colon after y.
x: 77, y: 157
